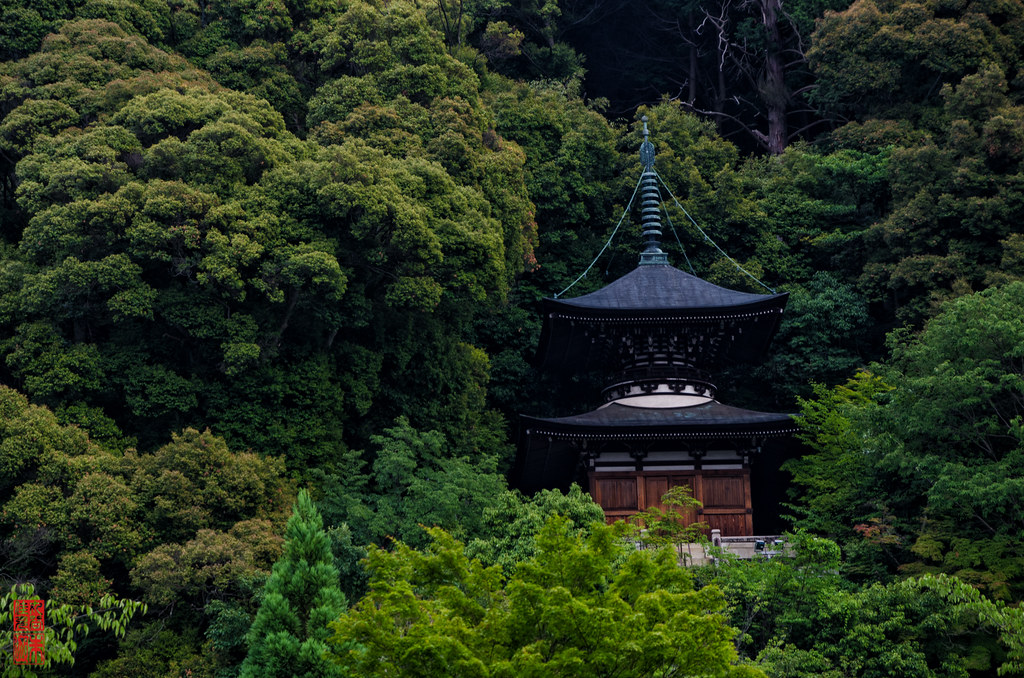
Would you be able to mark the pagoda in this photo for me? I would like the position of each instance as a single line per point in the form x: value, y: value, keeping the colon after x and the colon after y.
x: 658, y: 335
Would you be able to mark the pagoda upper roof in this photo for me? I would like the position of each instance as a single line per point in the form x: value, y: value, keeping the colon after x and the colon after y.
x: 728, y: 326
x: 661, y: 288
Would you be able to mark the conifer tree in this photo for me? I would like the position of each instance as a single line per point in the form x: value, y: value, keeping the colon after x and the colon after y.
x: 301, y: 596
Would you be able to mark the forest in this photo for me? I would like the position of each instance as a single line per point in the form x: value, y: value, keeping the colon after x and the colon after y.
x: 270, y: 273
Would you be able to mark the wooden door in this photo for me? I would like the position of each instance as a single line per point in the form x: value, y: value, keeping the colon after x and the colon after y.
x: 723, y: 494
x: 616, y: 494
x: 656, y: 485
x: 726, y: 499
x: 625, y: 494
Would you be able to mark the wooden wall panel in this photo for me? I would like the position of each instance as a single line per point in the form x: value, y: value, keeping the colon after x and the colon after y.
x: 615, y: 494
x: 724, y: 491
x: 726, y: 498
x: 654, y: 488
x: 731, y: 525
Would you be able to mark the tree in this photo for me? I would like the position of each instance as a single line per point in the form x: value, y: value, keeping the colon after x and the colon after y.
x: 835, y: 477
x: 146, y: 238
x: 822, y: 338
x: 528, y: 39
x: 890, y: 59
x: 288, y: 636
x: 798, y: 617
x: 580, y: 606
x: 512, y: 521
x: 932, y: 88
x: 778, y: 599
x: 951, y: 428
x: 927, y: 627
x: 953, y: 227
x: 741, y: 63
x: 817, y: 201
x: 76, y: 512
x: 274, y: 274
x: 39, y: 99
x: 673, y: 523
x: 189, y: 530
x: 751, y: 58
x: 414, y: 479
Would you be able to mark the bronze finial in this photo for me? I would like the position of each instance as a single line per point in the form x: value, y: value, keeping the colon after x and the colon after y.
x: 646, y: 148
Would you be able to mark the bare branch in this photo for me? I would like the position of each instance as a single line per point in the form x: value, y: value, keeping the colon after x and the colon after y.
x: 757, y: 135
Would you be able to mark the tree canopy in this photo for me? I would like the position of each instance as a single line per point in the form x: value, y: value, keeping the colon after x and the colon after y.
x: 579, y: 606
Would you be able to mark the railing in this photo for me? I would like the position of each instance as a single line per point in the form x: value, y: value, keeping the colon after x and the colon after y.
x: 744, y: 548
x: 663, y: 371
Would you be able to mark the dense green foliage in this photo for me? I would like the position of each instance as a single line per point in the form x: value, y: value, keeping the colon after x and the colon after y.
x: 798, y: 617
x: 511, y: 524
x: 248, y: 248
x: 918, y: 465
x: 577, y: 607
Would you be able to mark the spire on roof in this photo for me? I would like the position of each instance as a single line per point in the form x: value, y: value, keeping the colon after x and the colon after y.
x: 650, y: 205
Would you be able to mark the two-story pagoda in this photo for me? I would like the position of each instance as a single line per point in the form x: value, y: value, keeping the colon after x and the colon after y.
x: 660, y: 334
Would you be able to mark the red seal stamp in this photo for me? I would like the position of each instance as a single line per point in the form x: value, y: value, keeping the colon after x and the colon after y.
x: 29, y: 632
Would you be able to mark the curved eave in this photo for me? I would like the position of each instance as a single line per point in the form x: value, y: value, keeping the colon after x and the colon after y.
x: 737, y: 433
x: 749, y: 307
x: 661, y: 287
x: 565, y: 344
x: 705, y: 422
x: 549, y: 449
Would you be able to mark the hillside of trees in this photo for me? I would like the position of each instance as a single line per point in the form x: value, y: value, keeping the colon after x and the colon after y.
x: 269, y: 285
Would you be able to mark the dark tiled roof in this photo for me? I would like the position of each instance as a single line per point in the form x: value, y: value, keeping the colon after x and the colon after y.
x: 549, y: 449
x: 730, y: 327
x: 708, y: 420
x: 664, y: 288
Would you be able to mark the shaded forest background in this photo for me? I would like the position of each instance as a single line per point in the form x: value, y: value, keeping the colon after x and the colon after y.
x: 253, y: 246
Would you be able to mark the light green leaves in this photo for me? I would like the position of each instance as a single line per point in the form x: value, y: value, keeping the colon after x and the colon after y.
x: 579, y: 606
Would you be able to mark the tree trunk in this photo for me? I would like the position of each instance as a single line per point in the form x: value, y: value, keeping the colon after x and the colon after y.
x: 774, y: 93
x: 694, y: 66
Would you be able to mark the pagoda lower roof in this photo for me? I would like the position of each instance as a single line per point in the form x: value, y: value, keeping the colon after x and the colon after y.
x: 708, y: 421
x: 550, y: 449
